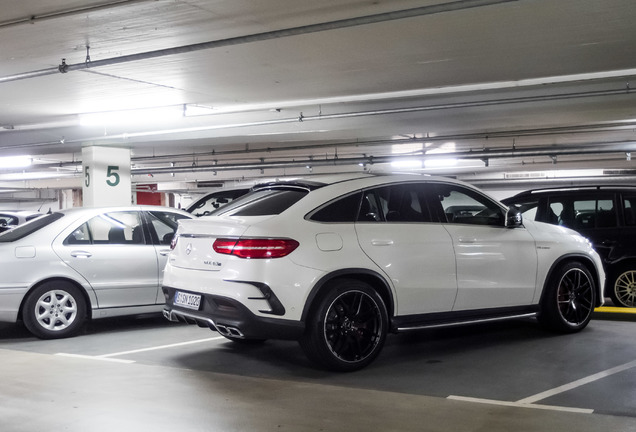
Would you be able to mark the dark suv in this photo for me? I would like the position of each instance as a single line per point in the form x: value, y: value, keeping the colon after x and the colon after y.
x: 606, y: 215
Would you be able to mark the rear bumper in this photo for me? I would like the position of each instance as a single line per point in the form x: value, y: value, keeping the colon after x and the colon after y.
x: 231, y: 318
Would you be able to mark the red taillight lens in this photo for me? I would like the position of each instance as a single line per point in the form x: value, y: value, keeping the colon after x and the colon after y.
x: 173, y: 242
x: 255, y: 248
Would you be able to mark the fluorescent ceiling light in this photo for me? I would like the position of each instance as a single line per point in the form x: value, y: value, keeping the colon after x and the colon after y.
x: 407, y: 164
x: 15, y: 161
x: 191, y: 110
x: 440, y: 163
x: 128, y: 117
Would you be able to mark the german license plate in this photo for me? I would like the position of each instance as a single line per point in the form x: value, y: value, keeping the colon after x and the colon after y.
x: 190, y: 301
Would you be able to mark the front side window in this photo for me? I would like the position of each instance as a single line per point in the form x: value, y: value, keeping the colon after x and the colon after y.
x: 163, y: 226
x: 459, y: 205
x: 109, y: 228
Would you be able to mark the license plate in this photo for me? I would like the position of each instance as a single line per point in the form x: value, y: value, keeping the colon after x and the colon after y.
x: 190, y: 301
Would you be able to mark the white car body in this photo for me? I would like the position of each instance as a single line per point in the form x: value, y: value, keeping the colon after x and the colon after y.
x: 429, y: 273
x: 113, y: 278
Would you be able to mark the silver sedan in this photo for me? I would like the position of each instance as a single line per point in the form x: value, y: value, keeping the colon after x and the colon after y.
x: 66, y: 267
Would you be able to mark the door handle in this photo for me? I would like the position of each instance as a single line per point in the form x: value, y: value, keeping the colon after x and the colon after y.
x: 81, y: 254
x: 164, y: 252
x: 467, y: 240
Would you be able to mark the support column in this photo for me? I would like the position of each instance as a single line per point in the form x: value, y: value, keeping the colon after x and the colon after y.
x: 106, y: 180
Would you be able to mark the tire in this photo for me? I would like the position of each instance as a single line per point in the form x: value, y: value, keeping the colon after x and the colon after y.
x: 347, y: 327
x: 54, y: 310
x: 622, y: 289
x: 569, y: 298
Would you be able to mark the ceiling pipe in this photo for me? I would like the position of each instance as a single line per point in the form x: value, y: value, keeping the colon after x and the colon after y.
x: 370, y: 160
x: 33, y: 19
x: 572, y: 149
x: 258, y: 37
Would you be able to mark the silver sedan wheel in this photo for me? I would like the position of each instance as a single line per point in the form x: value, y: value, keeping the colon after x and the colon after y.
x: 55, y: 310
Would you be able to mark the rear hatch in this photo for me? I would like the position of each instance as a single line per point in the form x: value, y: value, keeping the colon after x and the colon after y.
x: 195, y: 237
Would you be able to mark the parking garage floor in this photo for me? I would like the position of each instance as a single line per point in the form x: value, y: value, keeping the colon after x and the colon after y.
x: 147, y: 374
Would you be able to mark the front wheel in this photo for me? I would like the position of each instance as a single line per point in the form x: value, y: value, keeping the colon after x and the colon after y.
x: 569, y: 298
x: 347, y: 328
x: 622, y: 290
x: 54, y: 310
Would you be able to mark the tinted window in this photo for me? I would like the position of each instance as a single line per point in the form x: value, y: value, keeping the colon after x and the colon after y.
x: 6, y: 219
x: 583, y: 213
x: 24, y: 230
x: 342, y: 210
x: 396, y: 203
x: 464, y: 206
x: 629, y: 204
x: 264, y: 203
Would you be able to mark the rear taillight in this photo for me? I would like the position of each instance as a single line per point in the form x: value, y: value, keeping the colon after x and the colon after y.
x: 255, y: 247
x: 173, y: 242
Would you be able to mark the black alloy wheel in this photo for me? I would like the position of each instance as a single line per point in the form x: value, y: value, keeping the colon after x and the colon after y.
x: 347, y: 329
x: 569, y: 299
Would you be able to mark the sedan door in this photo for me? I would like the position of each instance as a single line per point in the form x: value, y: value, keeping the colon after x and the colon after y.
x: 111, y: 252
x: 162, y: 226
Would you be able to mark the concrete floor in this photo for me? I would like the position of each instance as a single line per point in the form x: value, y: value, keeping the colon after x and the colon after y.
x: 146, y: 374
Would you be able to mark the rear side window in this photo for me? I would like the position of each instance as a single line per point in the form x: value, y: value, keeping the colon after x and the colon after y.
x: 341, y: 210
x: 584, y: 212
x: 30, y: 227
x: 629, y: 205
x: 396, y: 203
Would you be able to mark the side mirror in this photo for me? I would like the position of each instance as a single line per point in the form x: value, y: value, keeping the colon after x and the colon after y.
x: 513, y: 217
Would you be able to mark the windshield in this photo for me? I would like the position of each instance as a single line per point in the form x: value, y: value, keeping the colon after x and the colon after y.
x: 28, y: 228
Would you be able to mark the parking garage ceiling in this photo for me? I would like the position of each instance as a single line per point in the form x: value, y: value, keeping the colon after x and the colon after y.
x: 204, y: 91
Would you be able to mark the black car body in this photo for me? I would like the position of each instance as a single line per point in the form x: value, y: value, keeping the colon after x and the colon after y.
x: 606, y: 215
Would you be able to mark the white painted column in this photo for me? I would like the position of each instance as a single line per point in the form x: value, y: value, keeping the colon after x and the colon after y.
x: 106, y: 180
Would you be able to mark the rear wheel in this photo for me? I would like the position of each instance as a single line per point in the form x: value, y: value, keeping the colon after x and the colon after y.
x: 54, y: 310
x: 622, y: 289
x: 347, y: 328
x: 569, y: 299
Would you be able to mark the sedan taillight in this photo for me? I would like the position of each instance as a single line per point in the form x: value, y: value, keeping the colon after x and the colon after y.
x: 255, y: 247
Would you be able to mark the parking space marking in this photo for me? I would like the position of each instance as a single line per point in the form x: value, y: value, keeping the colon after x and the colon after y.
x: 521, y: 405
x: 577, y: 383
x: 109, y: 357
x: 529, y: 402
x: 160, y: 347
x: 94, y: 358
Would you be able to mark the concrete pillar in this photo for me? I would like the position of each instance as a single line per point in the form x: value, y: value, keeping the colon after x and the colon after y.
x: 106, y: 180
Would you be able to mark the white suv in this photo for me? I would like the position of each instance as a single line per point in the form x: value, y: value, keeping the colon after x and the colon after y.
x: 339, y: 264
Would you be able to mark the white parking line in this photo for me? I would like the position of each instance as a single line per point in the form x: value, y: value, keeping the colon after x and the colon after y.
x: 521, y: 405
x: 160, y: 347
x: 108, y: 357
x: 577, y: 383
x: 529, y: 402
